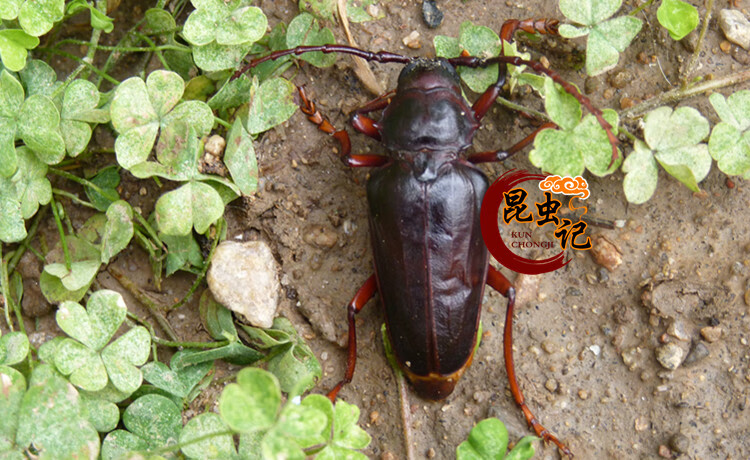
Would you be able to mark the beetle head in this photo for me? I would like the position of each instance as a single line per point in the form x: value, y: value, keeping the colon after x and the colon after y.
x: 428, y: 112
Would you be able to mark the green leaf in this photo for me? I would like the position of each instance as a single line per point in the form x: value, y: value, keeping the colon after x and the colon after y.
x: 195, y: 204
x: 213, y: 20
x: 304, y: 30
x: 39, y: 127
x: 99, y: 20
x: 103, y: 415
x: 523, y: 450
x: 607, y: 39
x: 678, y: 17
x: 123, y: 355
x: 80, y: 251
x: 641, y: 174
x: 117, y: 231
x: 676, y: 139
x: 78, y: 110
x: 234, y: 353
x: 239, y: 158
x: 11, y: 99
x: 107, y: 179
x: 272, y: 104
x: 9, y: 9
x: 346, y: 432
x: 38, y: 77
x: 251, y: 404
x: 562, y: 107
x: 155, y: 419
x: 32, y: 187
x: 51, y: 419
x: 179, y: 382
x: 79, y: 275
x: 12, y: 389
x: 215, y: 57
x: 12, y: 228
x: 183, y: 252
x: 14, y: 346
x: 482, y: 42
x: 325, y: 9
x: 14, y: 44
x: 358, y: 13
x: 214, y: 447
x: 217, y: 319
x: 119, y: 443
x: 487, y: 440
x: 233, y: 94
x: 729, y: 143
x: 95, y: 325
x: 37, y: 17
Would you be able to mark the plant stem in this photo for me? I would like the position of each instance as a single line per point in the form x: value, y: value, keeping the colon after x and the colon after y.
x: 73, y: 198
x: 641, y: 8
x: 26, y: 243
x: 63, y: 243
x: 223, y: 123
x: 78, y: 180
x: 155, y: 309
x: 126, y: 49
x: 200, y: 345
x: 405, y: 414
x: 6, y: 290
x: 220, y: 227
x: 180, y: 445
x: 520, y: 108
x: 149, y: 229
x: 91, y: 67
x: 694, y: 58
x: 678, y: 94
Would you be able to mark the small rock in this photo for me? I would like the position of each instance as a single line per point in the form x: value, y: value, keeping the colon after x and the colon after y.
x: 627, y: 102
x: 605, y: 253
x: 690, y: 42
x: 375, y: 417
x: 664, y: 451
x: 677, y: 330
x: 551, y: 385
x: 412, y: 40
x: 629, y: 356
x: 725, y: 46
x: 431, y: 452
x: 431, y: 14
x: 602, y: 275
x: 215, y: 145
x: 670, y: 356
x: 679, y: 443
x: 549, y: 346
x: 244, y: 278
x: 321, y: 236
x: 698, y: 352
x: 640, y: 424
x: 583, y: 394
x: 620, y: 79
x: 735, y: 26
x: 622, y: 314
x: 711, y: 333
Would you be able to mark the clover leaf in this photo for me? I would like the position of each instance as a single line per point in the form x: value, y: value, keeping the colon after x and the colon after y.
x: 675, y: 136
x: 85, y: 358
x: 38, y: 77
x: 641, y: 174
x: 152, y: 421
x: 80, y: 251
x: 78, y: 111
x: 103, y: 415
x: 240, y: 158
x: 177, y: 381
x: 272, y: 103
x: 219, y: 446
x: 304, y: 30
x: 578, y: 144
x: 183, y: 252
x: 14, y: 46
x: 14, y: 346
x: 253, y: 403
x: 729, y: 143
x: 489, y: 440
x: 140, y: 109
x: 13, y: 385
x: 222, y: 33
x: 99, y: 20
x: 21, y: 194
x: 36, y: 17
x: 11, y: 98
x: 193, y: 205
x: 325, y: 9
x: 607, y: 38
x: 678, y: 17
x: 117, y: 231
x: 51, y: 419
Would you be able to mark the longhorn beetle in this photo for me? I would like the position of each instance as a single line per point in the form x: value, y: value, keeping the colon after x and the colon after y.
x: 424, y: 196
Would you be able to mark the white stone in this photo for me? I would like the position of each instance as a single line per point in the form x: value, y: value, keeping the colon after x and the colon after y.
x: 244, y: 278
x: 736, y: 27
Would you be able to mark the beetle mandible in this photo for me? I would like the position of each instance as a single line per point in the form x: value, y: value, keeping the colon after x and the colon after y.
x: 424, y: 195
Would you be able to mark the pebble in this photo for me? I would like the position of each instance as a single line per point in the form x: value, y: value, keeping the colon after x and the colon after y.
x: 679, y: 443
x: 412, y: 40
x: 431, y: 14
x: 677, y: 330
x: 698, y: 352
x: 620, y: 79
x: 605, y: 253
x: 375, y: 417
x: 725, y: 46
x: 640, y: 424
x: 549, y: 346
x: 321, y: 236
x: 551, y: 385
x: 627, y: 102
x: 670, y: 356
x: 711, y: 333
x: 583, y: 394
x: 664, y: 451
x: 602, y: 275
x: 431, y: 453
x: 244, y: 278
x: 215, y: 145
x: 629, y: 356
x: 735, y: 26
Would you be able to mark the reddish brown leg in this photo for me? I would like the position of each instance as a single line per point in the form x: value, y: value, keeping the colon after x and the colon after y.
x: 502, y: 155
x: 308, y: 108
x: 501, y: 284
x: 365, y: 293
x: 541, y: 26
x: 366, y: 125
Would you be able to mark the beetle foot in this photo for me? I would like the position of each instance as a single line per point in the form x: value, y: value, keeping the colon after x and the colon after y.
x: 548, y: 437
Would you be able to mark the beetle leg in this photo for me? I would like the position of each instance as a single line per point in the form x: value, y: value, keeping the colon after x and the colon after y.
x: 366, y: 125
x: 501, y: 284
x: 308, y: 108
x: 365, y: 293
x: 502, y: 155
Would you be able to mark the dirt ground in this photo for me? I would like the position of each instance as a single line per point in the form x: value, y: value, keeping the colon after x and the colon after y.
x: 585, y: 339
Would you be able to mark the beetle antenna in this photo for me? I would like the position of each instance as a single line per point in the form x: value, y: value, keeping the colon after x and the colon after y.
x: 380, y: 56
x: 538, y: 67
